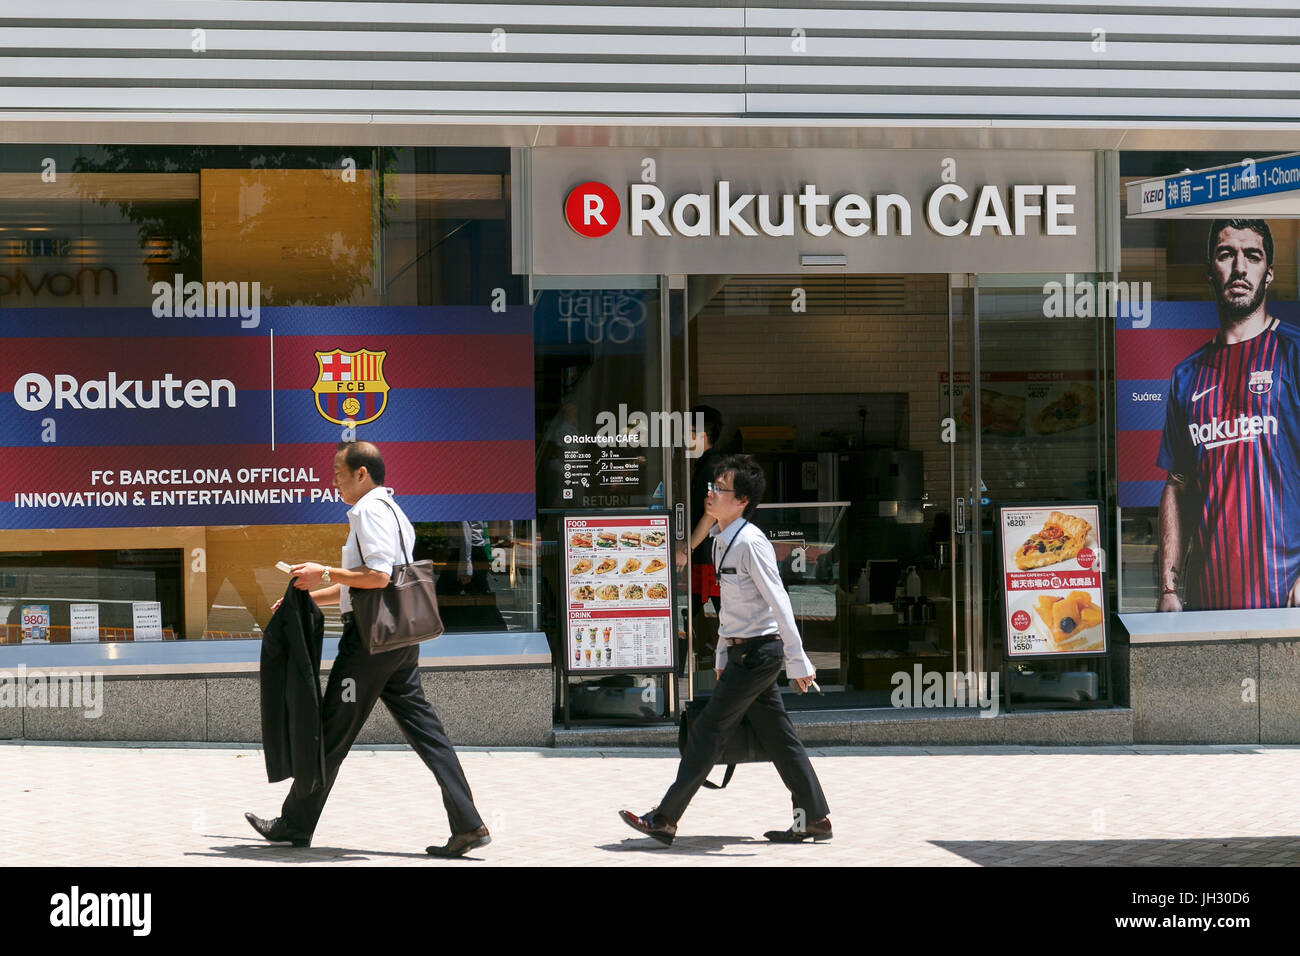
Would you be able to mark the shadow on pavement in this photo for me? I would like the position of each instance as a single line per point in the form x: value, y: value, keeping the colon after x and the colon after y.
x: 277, y: 853
x: 683, y: 846
x: 1220, y: 851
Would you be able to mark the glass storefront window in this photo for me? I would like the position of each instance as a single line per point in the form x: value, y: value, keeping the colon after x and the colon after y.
x: 335, y: 227
x: 841, y: 401
x: 862, y: 408
x: 112, y: 580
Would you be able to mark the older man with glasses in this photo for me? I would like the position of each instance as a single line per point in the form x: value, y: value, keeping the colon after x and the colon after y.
x: 758, y: 637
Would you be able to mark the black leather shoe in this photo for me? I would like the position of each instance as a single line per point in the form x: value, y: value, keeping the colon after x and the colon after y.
x: 277, y: 831
x: 817, y: 832
x: 461, y: 843
x: 652, y: 825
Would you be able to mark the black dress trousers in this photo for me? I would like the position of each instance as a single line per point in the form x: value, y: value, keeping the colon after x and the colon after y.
x: 394, y: 678
x: 747, y: 688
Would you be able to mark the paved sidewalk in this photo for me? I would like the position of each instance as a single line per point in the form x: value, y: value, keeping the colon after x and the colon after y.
x: 171, y: 805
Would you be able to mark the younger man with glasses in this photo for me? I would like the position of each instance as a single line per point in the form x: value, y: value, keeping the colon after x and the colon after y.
x: 757, y: 637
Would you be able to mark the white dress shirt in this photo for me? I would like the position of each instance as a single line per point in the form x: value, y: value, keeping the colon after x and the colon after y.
x: 373, y: 528
x: 754, y: 602
x: 473, y: 538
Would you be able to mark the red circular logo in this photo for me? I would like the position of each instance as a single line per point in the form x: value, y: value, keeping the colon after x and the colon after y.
x: 1087, y: 558
x: 592, y: 210
x: 1020, y: 620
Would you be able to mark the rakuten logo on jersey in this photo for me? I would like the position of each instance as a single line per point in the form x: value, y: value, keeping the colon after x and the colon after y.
x: 1226, y: 431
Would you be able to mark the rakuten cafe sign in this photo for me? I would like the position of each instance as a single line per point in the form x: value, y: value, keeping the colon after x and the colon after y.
x: 727, y: 211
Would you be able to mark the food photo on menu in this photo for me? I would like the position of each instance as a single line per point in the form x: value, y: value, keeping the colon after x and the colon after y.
x: 643, y: 577
x: 1062, y: 537
x: 1061, y: 623
x: 1069, y: 619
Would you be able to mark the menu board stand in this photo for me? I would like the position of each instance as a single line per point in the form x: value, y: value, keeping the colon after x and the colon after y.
x: 616, y: 605
x: 1054, y: 609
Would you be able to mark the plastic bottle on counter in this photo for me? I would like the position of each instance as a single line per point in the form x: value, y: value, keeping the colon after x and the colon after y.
x: 863, y: 592
x: 913, y: 582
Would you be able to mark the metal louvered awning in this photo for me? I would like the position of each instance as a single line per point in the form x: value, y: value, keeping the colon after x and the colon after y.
x: 1115, y: 65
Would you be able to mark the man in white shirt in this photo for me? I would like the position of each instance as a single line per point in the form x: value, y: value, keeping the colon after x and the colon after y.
x: 369, y: 554
x: 757, y: 637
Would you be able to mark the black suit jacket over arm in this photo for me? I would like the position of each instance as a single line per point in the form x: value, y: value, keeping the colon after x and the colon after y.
x: 291, y: 698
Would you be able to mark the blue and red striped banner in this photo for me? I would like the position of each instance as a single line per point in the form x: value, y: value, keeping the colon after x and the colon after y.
x: 117, y: 418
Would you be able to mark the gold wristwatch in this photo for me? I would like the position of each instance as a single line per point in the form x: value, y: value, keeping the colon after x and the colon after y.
x: 325, y: 575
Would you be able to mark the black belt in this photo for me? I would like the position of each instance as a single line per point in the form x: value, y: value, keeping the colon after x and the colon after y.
x: 736, y: 641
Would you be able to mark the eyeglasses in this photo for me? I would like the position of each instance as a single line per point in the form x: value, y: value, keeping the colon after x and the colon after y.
x: 715, y: 490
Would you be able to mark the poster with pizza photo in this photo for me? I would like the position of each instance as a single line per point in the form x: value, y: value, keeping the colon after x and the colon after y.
x: 1054, y: 568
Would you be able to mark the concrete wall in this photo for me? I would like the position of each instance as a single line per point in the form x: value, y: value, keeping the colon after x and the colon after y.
x: 1216, y: 693
x: 499, y: 706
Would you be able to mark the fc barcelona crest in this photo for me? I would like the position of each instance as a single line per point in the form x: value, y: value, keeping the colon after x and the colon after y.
x: 1261, y: 381
x: 350, y: 387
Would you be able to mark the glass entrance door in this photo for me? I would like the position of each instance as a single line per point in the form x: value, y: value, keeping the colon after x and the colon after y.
x: 856, y: 396
x: 1041, y: 358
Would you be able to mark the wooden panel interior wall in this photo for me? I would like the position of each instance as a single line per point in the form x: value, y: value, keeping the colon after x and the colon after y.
x: 305, y: 234
x: 121, y: 187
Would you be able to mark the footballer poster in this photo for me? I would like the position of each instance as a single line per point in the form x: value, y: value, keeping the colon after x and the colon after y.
x: 1054, y: 587
x: 1207, y: 436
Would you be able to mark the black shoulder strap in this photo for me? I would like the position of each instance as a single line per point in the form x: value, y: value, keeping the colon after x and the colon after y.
x: 717, y: 567
x: 726, y: 779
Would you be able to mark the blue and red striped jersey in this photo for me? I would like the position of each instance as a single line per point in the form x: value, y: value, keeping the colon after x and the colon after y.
x: 1232, y: 430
